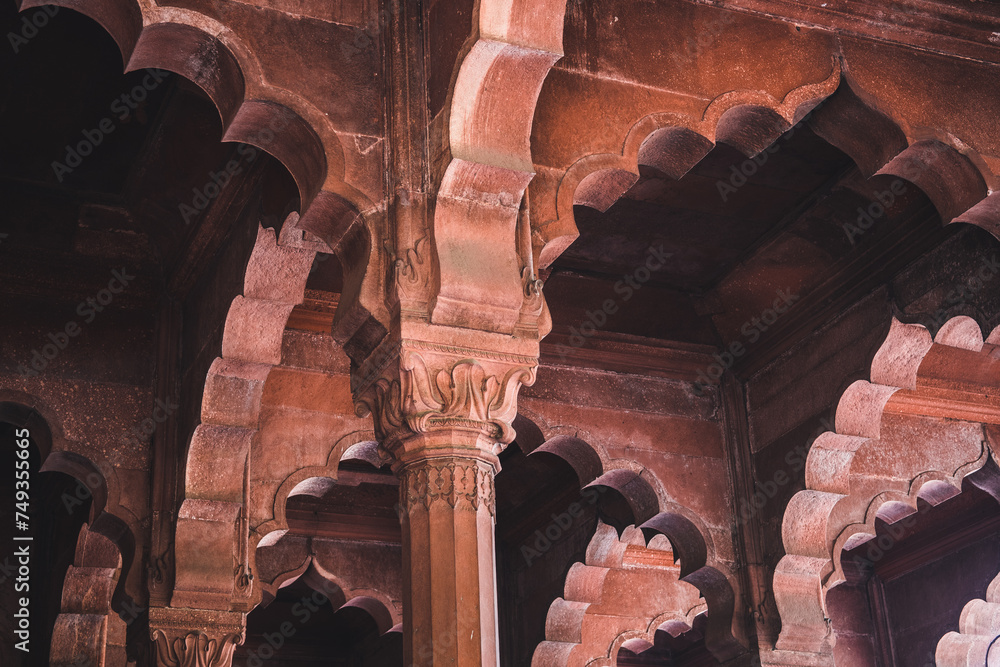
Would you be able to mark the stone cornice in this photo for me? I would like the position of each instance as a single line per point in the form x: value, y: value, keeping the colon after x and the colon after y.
x: 926, y: 25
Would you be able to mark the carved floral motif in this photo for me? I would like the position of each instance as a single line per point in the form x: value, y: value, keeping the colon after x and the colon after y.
x: 436, y: 387
x: 194, y: 648
x: 462, y: 484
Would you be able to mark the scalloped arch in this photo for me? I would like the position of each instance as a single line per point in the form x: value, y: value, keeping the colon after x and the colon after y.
x: 655, y: 514
x: 637, y: 641
x: 273, y: 528
x: 386, y: 612
x: 91, y: 593
x: 673, y: 143
x: 608, y: 602
x: 107, y: 517
x: 215, y: 59
x: 953, y: 176
x: 593, y: 467
x: 882, y: 458
x: 975, y: 643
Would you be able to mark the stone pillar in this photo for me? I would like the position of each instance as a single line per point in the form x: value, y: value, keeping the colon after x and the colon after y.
x: 449, y: 583
x: 442, y: 414
x: 194, y: 637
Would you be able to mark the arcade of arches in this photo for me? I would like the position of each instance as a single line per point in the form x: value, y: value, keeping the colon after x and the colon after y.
x: 529, y: 333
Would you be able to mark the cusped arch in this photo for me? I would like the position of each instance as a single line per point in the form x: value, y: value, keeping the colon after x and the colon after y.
x: 655, y: 514
x: 298, y: 561
x: 487, y: 145
x: 976, y: 642
x: 699, y: 568
x: 672, y: 143
x: 218, y: 454
x: 640, y: 489
x: 108, y: 517
x: 927, y: 419
x: 385, y: 611
x: 952, y: 176
x: 312, y: 480
x: 122, y: 19
x: 623, y: 592
x: 26, y: 411
x: 637, y: 641
x: 217, y: 487
x: 85, y: 626
x: 594, y: 467
x: 215, y: 59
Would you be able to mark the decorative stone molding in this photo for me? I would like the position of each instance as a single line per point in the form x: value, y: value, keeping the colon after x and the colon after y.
x: 430, y: 387
x: 461, y: 483
x: 83, y: 627
x: 952, y: 175
x: 411, y: 273
x: 194, y: 638
x: 194, y: 649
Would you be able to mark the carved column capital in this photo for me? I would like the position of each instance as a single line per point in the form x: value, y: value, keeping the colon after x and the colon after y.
x: 427, y: 398
x: 195, y: 638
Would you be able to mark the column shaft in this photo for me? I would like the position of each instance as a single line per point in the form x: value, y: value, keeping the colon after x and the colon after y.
x: 448, y: 550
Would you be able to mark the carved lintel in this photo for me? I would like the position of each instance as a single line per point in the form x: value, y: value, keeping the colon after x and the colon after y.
x: 195, y: 638
x: 432, y: 388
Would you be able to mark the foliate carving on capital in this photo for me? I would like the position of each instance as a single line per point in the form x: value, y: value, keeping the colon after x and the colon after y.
x: 194, y: 648
x: 437, y: 387
x: 460, y: 484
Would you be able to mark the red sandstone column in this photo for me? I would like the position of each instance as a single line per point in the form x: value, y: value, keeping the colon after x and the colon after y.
x: 443, y: 415
x: 449, y: 582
